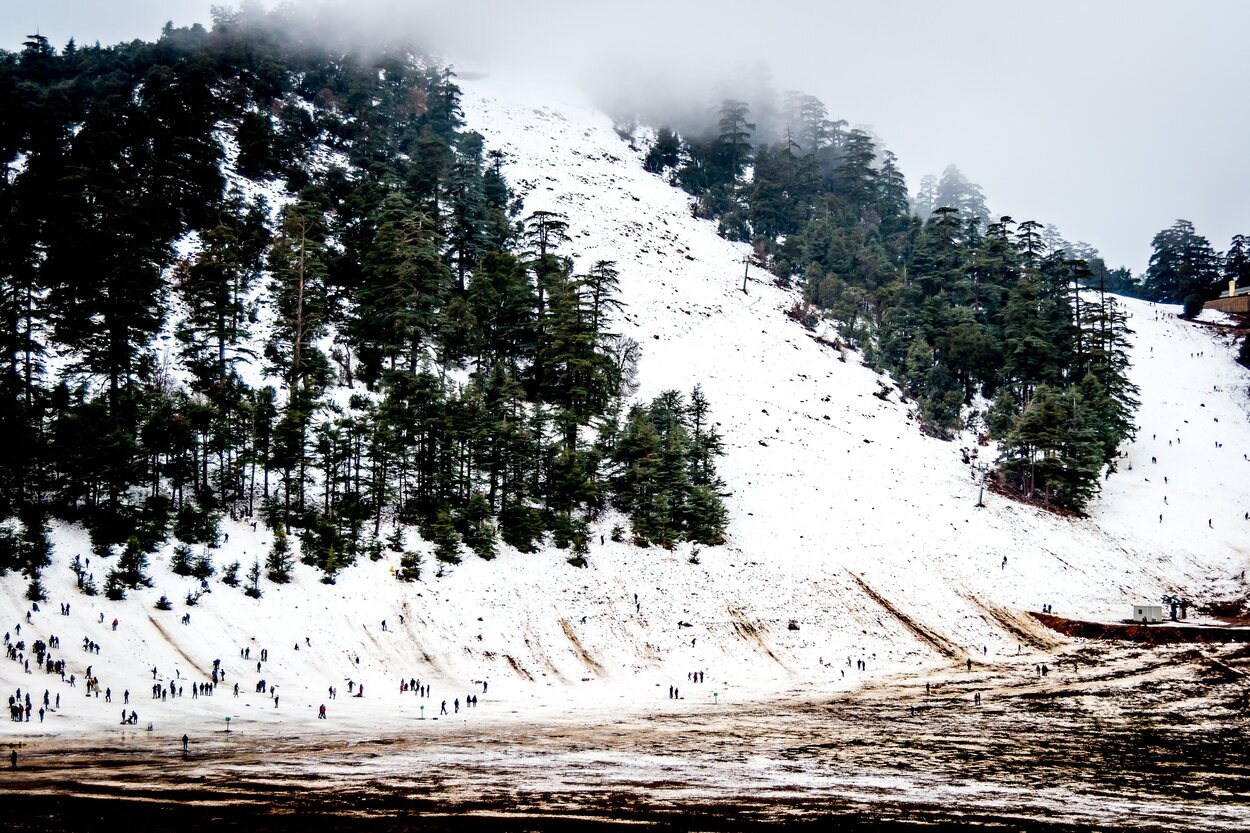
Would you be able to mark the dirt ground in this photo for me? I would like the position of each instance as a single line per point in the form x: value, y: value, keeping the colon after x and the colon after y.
x: 1112, y: 736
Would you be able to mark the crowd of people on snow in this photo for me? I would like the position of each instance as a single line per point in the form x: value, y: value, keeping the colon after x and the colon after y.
x: 23, y: 707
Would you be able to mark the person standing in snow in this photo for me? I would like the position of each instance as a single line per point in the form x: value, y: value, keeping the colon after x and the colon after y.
x: 321, y: 714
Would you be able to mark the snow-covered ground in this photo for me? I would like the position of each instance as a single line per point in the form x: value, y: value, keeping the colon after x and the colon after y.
x: 844, y: 520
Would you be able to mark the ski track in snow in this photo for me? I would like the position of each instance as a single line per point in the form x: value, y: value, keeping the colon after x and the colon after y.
x: 834, y: 491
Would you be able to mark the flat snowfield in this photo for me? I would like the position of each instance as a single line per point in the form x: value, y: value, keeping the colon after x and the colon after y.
x: 858, y: 568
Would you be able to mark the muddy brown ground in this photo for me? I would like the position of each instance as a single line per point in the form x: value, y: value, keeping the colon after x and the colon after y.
x: 1133, y: 738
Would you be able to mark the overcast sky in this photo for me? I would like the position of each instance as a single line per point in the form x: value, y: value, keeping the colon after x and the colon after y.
x: 1108, y: 119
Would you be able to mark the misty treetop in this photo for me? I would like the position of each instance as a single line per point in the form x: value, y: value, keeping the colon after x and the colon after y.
x: 427, y: 355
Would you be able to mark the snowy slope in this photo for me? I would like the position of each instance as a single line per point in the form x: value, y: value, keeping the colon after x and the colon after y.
x: 845, y: 519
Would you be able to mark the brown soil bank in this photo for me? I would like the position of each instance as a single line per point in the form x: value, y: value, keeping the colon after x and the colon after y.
x: 28, y: 813
x: 1161, y: 634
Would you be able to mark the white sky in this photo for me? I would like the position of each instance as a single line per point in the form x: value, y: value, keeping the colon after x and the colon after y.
x: 1109, y: 119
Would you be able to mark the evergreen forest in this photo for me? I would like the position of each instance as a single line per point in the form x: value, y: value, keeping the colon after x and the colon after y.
x: 986, y: 323
x: 247, y: 273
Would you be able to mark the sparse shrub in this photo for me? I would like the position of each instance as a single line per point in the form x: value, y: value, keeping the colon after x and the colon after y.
x: 163, y: 603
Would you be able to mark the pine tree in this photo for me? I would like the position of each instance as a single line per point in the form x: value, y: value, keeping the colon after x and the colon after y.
x: 299, y: 299
x: 855, y: 179
x: 665, y: 152
x: 734, y: 141
x: 253, y: 581
x: 954, y: 190
x: 132, y: 565
x: 477, y: 528
x: 404, y: 285
x: 410, y: 566
x: 1237, y: 262
x: 445, y: 538
x: 1183, y: 264
x: 180, y: 561
x: 279, y: 562
x: 114, y: 586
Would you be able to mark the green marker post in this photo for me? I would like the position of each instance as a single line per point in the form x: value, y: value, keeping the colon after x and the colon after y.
x: 227, y: 724
x: 715, y: 694
x: 423, y: 712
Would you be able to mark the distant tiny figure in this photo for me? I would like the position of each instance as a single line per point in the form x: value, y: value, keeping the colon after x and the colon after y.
x: 185, y: 742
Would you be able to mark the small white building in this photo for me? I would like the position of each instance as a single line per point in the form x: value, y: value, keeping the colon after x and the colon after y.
x: 1149, y: 614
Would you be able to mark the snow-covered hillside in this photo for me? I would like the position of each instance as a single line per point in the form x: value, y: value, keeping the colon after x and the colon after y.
x: 852, y: 535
